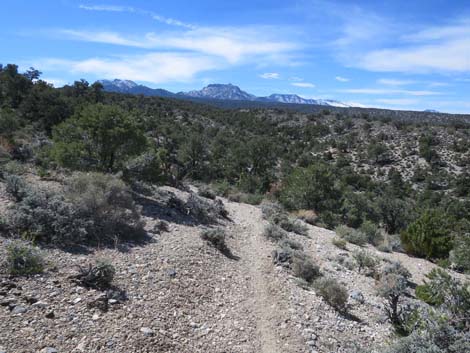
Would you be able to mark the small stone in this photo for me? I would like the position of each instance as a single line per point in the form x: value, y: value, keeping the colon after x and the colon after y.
x: 357, y: 296
x: 77, y: 300
x: 311, y: 343
x: 49, y: 350
x: 19, y: 310
x: 95, y: 317
x: 39, y: 304
x: 147, y: 331
x: 171, y: 272
x: 7, y: 301
x: 50, y: 315
x: 112, y: 301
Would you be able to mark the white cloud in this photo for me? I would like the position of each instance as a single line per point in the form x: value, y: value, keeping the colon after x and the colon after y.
x: 270, y: 76
x: 153, y: 67
x: 394, y: 82
x: 303, y: 84
x: 446, y: 56
x: 341, y: 79
x: 56, y: 82
x: 440, y: 49
x: 233, y: 44
x: 379, y: 91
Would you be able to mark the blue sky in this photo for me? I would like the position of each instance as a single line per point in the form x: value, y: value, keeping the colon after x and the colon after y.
x: 392, y: 54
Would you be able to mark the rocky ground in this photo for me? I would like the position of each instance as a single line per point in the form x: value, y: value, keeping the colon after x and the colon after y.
x: 182, y: 295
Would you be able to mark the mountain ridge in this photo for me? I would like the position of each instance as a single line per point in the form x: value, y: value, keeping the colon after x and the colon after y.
x: 216, y: 91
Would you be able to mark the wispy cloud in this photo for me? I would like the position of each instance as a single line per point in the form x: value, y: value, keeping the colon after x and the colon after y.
x: 270, y: 75
x: 341, y: 79
x: 157, y: 17
x: 398, y: 101
x: 303, y: 84
x: 394, y: 82
x: 379, y: 91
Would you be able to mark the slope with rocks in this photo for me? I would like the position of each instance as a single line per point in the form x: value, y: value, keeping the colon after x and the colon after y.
x: 185, y: 296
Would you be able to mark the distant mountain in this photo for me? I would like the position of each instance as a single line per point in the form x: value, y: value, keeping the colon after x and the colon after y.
x: 431, y: 111
x: 130, y: 87
x: 287, y: 98
x: 217, y: 91
x: 220, y: 91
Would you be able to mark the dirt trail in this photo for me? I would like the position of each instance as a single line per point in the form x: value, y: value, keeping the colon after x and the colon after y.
x: 267, y: 301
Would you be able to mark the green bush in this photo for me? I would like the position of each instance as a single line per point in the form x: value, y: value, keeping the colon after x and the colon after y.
x: 99, y: 137
x: 310, y: 188
x: 429, y: 236
x: 22, y: 259
x: 460, y: 254
x: 332, y: 292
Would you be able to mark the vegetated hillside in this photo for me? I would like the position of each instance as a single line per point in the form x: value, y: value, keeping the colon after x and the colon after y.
x: 88, y: 175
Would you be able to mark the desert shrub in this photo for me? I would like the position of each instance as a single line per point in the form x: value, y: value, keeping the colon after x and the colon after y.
x: 393, y: 285
x: 351, y: 235
x: 366, y: 261
x: 307, y: 216
x: 207, y: 192
x: 291, y: 244
x: 150, y: 166
x: 303, y: 267
x: 288, y: 224
x: 345, y: 261
x: 23, y: 259
x: 203, y: 210
x: 372, y: 232
x: 99, y: 276
x: 95, y: 208
x: 437, y: 338
x: 107, y: 204
x: 452, y: 296
x: 243, y: 197
x: 384, y: 247
x: 332, y: 292
x: 429, y: 236
x: 48, y: 217
x: 216, y: 238
x: 270, y: 209
x: 274, y: 232
x: 15, y: 186
x: 339, y: 243
x: 460, y: 254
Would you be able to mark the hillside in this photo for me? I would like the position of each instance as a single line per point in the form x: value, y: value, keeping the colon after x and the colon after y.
x: 135, y: 223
